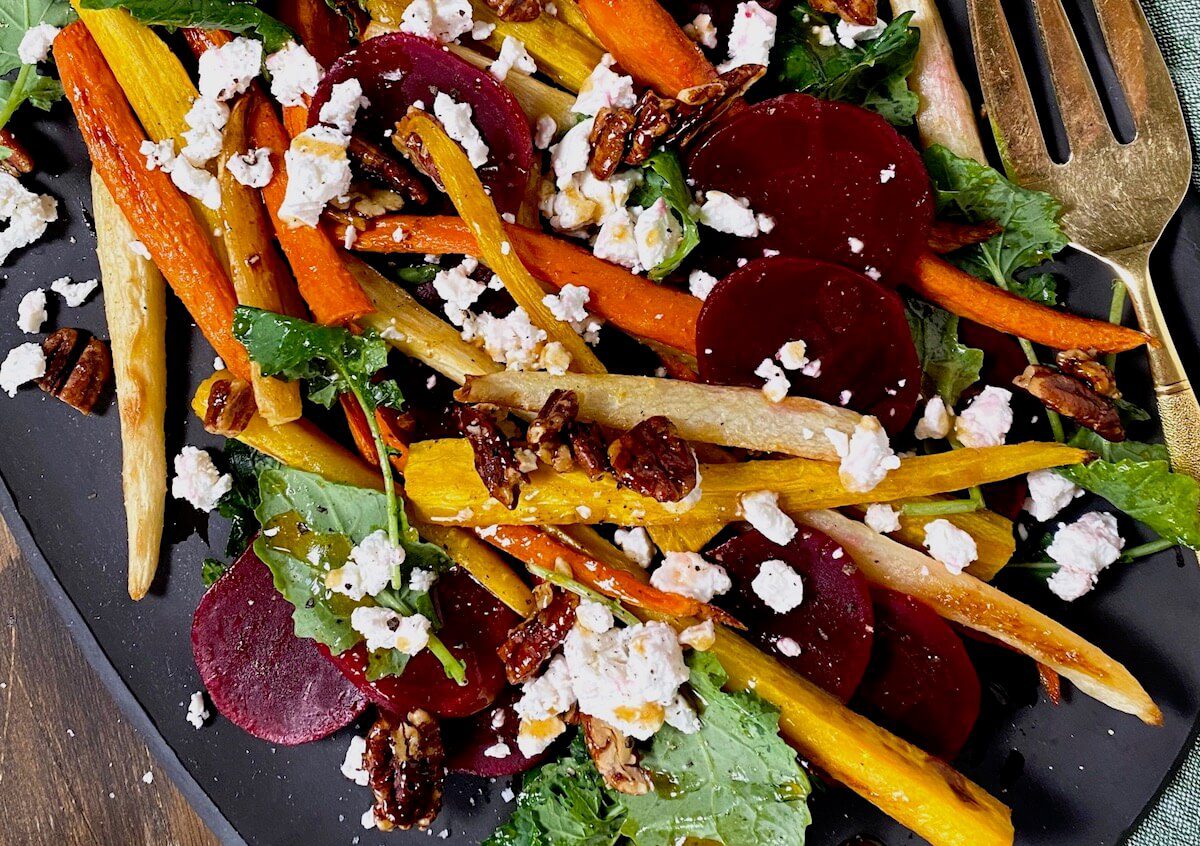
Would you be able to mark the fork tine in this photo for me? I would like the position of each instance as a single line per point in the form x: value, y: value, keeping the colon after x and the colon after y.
x: 1078, y: 103
x: 1006, y: 95
x: 1139, y: 65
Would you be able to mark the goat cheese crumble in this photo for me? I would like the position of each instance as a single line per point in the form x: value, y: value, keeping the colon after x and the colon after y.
x: 729, y: 214
x: 700, y: 636
x: 1082, y: 550
x: 22, y: 364
x: 543, y: 131
x: 205, y: 119
x: 866, y: 455
x: 28, y: 214
x: 701, y: 284
x: 636, y: 543
x: 761, y: 510
x: 352, y: 764
x: 512, y: 55
x: 197, y: 711
x: 341, y: 109
x: 74, y: 294
x: 318, y: 171
x: 657, y: 233
x: 935, y: 421
x: 986, y: 420
x: 777, y: 383
x: 31, y: 311
x: 384, y: 629
x: 228, y: 70
x: 702, y: 31
x: 295, y: 74
x: 35, y: 43
x: 950, y: 545
x: 456, y: 119
x: 252, y: 168
x: 779, y: 586
x: 441, y: 20
x: 604, y: 87
x: 689, y: 574
x: 1049, y: 493
x: 751, y: 38
x: 369, y: 567
x: 882, y: 518
x: 197, y: 479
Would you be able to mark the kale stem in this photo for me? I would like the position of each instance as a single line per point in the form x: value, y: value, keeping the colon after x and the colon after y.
x: 1148, y: 548
x: 17, y: 95
x: 1116, y: 311
x: 385, y: 467
x: 455, y: 670
x: 936, y: 509
x: 569, y: 584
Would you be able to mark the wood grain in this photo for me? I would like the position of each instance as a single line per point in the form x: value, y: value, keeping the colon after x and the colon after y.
x: 71, y: 768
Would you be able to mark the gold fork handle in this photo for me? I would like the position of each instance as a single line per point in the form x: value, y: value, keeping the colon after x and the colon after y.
x: 1177, y: 405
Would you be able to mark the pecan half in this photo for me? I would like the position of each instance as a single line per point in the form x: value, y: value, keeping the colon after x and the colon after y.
x: 863, y: 12
x: 946, y: 236
x: 79, y: 369
x: 519, y: 11
x: 377, y: 163
x: 652, y: 120
x: 530, y: 645
x: 1084, y: 366
x: 405, y: 762
x: 608, y: 138
x: 18, y: 161
x: 612, y: 753
x: 495, y: 461
x: 652, y: 459
x: 230, y: 407
x: 1073, y: 398
x: 587, y: 445
x: 702, y: 103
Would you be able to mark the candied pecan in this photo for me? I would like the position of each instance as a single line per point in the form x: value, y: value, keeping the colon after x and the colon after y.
x: 703, y: 103
x: 1084, y: 366
x: 495, y: 461
x: 18, y: 161
x: 518, y: 11
x: 652, y: 459
x: 230, y: 407
x: 406, y: 769
x: 587, y: 445
x: 79, y: 369
x: 530, y: 645
x: 1072, y: 398
x: 652, y: 120
x: 946, y: 236
x: 377, y: 163
x: 612, y: 753
x: 609, y: 132
x: 862, y: 12
x: 547, y: 434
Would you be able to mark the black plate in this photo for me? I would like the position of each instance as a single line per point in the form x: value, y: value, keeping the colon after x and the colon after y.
x: 1077, y: 774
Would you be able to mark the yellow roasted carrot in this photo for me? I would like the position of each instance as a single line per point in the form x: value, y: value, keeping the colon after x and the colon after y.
x: 135, y: 305
x: 535, y: 97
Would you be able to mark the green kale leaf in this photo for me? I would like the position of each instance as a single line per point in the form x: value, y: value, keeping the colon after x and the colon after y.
x: 662, y: 176
x: 1137, y: 479
x: 211, y: 570
x: 239, y: 17
x: 1030, y: 232
x: 872, y: 73
x: 735, y: 781
x: 244, y: 464
x: 950, y: 365
x: 16, y: 18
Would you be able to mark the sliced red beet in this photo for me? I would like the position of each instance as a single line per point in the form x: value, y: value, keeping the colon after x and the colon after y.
x: 831, y: 627
x: 468, y: 741
x: 854, y: 326
x: 398, y: 69
x: 824, y: 171
x: 261, y: 677
x: 921, y: 683
x: 474, y: 624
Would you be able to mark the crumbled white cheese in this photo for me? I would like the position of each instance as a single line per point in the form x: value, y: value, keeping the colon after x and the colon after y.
x: 74, y: 294
x: 636, y: 543
x: 935, y: 421
x: 779, y: 586
x: 731, y: 215
x: 951, y: 545
x: 986, y: 421
x: 787, y: 647
x: 825, y: 36
x: 570, y: 155
x: 158, y: 155
x: 777, y: 383
x: 512, y: 55
x: 569, y: 304
x: 658, y: 234
x: 368, y: 820
x: 197, y: 711
x: 139, y: 250
x: 318, y: 171
x: 701, y: 284
x: 543, y: 131
x: 22, y: 364
x: 887, y: 174
x: 252, y: 168
x: 421, y: 580
x: 196, y: 182
x: 1082, y: 550
x: 866, y: 456
x: 31, y: 311
x: 441, y: 20
x: 856, y: 244
x: 556, y: 360
x: 459, y: 290
x: 849, y: 34
x: 682, y: 716
x: 197, y: 479
x: 511, y: 340
x: 761, y: 510
x: 594, y: 616
x: 702, y: 31
x: 352, y: 765
x: 383, y: 628
x: 751, y: 38
x: 792, y: 355
x: 616, y: 242
x: 206, y: 119
x: 341, y: 109
x: 882, y: 518
x: 456, y: 119
x: 499, y: 749
x: 689, y: 574
x: 481, y: 30
x: 700, y: 636
x: 1049, y: 493
x: 369, y: 568
x: 548, y: 695
x: 28, y: 214
x: 295, y: 74
x: 35, y: 43
x: 228, y: 70
x: 604, y: 87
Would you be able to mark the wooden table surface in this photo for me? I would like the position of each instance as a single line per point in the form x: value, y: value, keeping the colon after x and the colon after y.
x: 72, y: 771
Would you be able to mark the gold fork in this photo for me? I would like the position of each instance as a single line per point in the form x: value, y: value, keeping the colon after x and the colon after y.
x: 1117, y: 197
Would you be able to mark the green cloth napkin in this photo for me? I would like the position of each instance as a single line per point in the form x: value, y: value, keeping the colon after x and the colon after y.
x: 1176, y: 24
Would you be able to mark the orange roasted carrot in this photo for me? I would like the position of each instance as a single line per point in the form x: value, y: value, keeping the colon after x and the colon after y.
x: 630, y: 302
x: 963, y: 294
x: 295, y: 119
x: 325, y: 282
x: 320, y: 29
x: 156, y: 209
x: 648, y: 44
x: 365, y: 441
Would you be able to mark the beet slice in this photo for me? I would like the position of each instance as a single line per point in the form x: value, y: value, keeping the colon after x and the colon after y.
x: 855, y: 326
x: 397, y: 70
x: 921, y: 683
x: 832, y: 626
x: 262, y: 677
x: 817, y: 168
x: 474, y: 624
x: 468, y: 740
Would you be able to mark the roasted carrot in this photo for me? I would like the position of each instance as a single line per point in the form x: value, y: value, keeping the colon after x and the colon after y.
x: 295, y: 120
x: 324, y: 32
x: 946, y: 236
x: 155, y: 208
x: 364, y: 441
x: 648, y: 44
x: 632, y: 303
x: 326, y: 284
x: 967, y: 296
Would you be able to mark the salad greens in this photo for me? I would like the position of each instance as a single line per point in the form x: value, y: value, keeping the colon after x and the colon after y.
x: 951, y: 365
x: 239, y: 17
x: 873, y: 73
x: 244, y: 464
x: 31, y: 87
x: 662, y: 176
x: 735, y: 781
